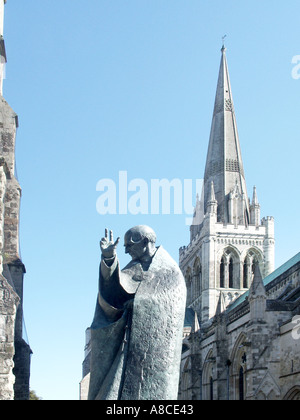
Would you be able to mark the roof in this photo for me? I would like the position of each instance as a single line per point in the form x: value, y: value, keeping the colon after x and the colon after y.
x: 267, y: 280
x: 282, y: 269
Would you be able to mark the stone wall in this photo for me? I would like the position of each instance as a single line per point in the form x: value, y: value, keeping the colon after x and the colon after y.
x: 290, y: 359
x: 15, y: 360
x: 8, y: 306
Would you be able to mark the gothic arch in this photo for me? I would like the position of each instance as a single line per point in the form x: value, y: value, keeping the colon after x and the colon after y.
x: 238, y: 368
x: 254, y: 251
x: 228, y: 248
x: 186, y: 381
x: 293, y: 394
x: 208, y: 376
x: 250, y: 259
x: 228, y: 272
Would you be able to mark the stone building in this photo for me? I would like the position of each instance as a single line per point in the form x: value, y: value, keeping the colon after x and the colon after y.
x: 14, y: 350
x: 241, y: 337
x: 251, y: 349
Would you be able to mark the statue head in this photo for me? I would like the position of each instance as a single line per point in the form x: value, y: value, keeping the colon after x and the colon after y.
x: 139, y: 242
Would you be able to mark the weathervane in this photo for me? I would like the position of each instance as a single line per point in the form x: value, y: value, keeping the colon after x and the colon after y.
x: 223, y: 41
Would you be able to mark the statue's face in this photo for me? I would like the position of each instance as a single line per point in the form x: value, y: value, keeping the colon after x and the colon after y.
x: 135, y: 245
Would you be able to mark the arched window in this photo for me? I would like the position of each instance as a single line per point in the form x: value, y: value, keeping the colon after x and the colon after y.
x: 207, y: 377
x: 186, y: 381
x: 241, y: 383
x: 230, y: 269
x: 231, y: 273
x: 252, y: 260
x: 211, y: 389
x: 238, y: 369
x: 222, y: 273
x: 245, y: 274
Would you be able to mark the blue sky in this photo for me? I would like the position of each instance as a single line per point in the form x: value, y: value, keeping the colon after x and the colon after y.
x: 104, y: 86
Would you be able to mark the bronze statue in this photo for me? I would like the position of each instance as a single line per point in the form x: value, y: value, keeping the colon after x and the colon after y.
x: 137, y: 331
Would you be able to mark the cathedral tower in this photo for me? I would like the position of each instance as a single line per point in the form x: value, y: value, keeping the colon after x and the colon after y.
x: 14, y: 350
x: 227, y: 238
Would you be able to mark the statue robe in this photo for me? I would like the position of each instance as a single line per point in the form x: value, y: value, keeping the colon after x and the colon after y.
x: 137, y: 331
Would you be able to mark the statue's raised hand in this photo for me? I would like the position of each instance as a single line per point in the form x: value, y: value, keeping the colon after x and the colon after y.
x: 108, y: 246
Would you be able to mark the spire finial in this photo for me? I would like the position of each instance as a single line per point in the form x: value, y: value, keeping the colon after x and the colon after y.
x: 254, y: 199
x: 212, y: 203
x: 223, y: 43
x: 212, y: 192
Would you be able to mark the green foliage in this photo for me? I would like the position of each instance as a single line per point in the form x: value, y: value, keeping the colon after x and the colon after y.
x: 33, y: 396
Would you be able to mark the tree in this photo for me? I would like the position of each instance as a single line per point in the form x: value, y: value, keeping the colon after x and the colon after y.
x: 33, y: 396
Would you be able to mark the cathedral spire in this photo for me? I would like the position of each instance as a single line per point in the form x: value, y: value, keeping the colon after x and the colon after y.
x: 224, y: 166
x: 228, y: 239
